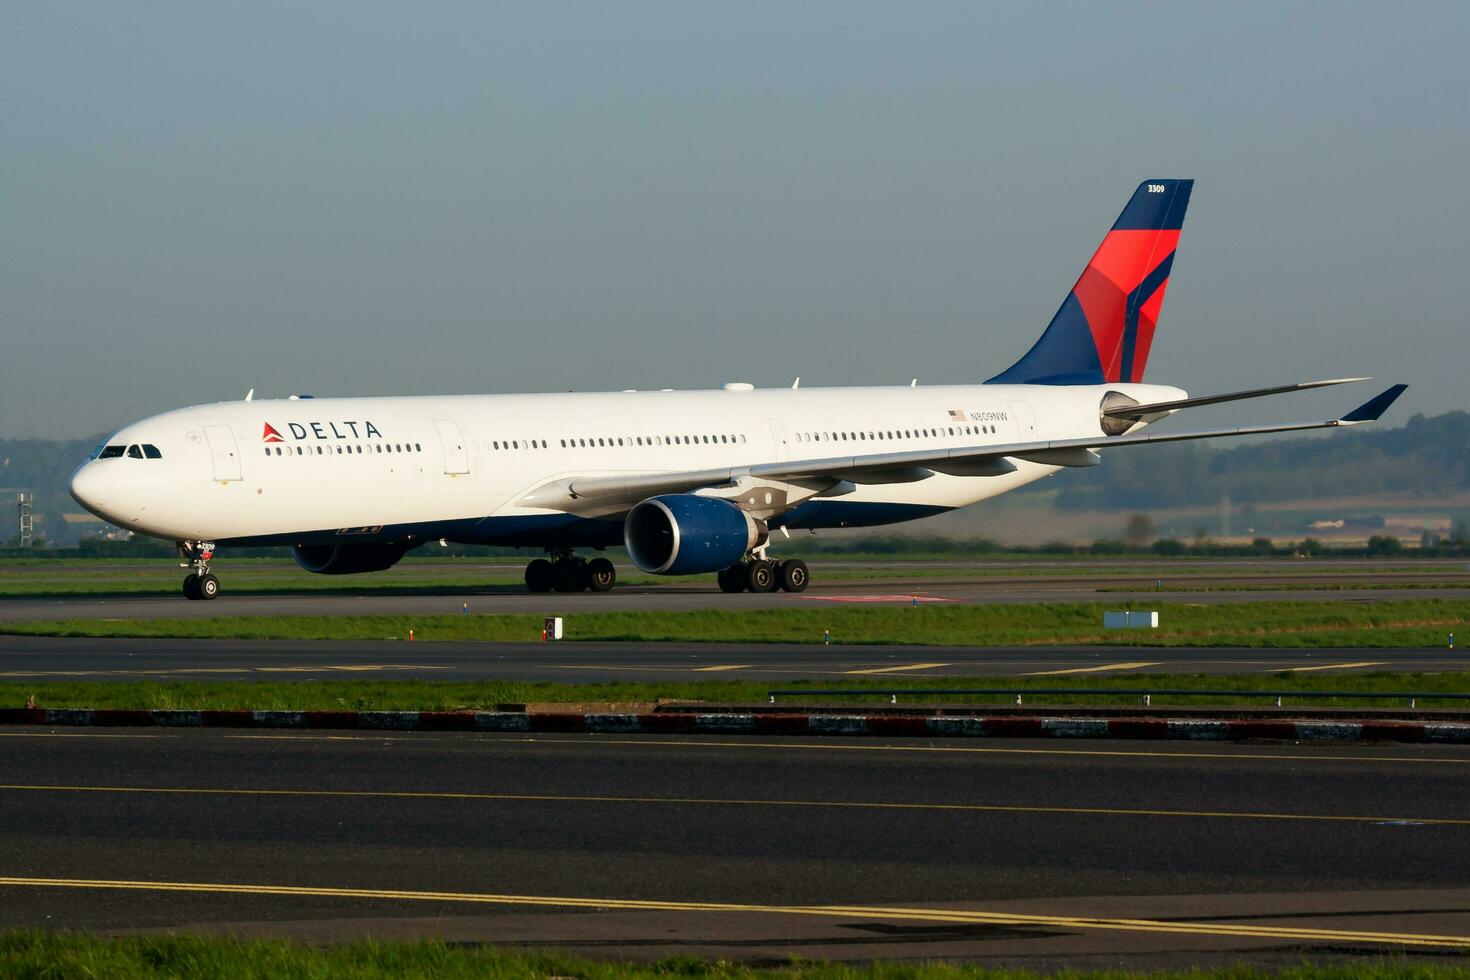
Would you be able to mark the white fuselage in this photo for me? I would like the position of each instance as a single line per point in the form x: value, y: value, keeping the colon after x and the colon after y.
x: 295, y: 470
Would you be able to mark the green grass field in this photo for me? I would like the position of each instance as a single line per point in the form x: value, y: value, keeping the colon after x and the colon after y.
x: 423, y: 695
x: 1417, y: 623
x: 35, y: 955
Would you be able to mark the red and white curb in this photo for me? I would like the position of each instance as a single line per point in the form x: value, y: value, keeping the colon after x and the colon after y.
x: 764, y: 723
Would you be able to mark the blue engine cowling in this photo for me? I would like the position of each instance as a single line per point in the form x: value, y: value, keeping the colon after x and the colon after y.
x: 347, y: 559
x: 684, y: 534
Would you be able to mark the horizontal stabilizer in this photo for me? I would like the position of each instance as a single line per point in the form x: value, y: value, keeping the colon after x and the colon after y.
x: 1154, y: 408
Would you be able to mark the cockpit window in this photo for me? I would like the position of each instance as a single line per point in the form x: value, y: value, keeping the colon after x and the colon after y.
x: 151, y: 451
x: 111, y: 452
x: 135, y: 452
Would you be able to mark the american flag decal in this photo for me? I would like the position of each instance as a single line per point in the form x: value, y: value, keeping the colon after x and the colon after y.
x: 956, y: 415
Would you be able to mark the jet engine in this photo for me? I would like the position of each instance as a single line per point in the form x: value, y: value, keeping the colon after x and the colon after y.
x: 684, y: 534
x: 347, y: 559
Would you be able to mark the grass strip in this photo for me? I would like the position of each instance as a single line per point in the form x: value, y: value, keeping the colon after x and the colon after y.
x: 1295, y: 624
x: 35, y: 955
x: 34, y: 578
x: 424, y: 695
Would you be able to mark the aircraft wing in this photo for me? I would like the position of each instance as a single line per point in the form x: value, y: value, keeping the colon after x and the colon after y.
x: 576, y: 493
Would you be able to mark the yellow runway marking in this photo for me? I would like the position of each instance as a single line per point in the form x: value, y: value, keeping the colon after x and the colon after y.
x: 730, y: 801
x: 1092, y: 670
x: 880, y: 912
x: 1366, y: 663
x: 898, y: 669
x: 718, y: 667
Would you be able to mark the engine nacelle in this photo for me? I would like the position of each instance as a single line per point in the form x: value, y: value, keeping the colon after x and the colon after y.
x: 346, y: 559
x: 685, y: 534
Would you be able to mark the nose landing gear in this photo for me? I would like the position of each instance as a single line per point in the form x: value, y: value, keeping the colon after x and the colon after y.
x: 199, y: 583
x: 566, y: 572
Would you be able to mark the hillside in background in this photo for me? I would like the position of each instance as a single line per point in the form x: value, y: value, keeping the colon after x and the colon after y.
x: 44, y: 467
x: 1346, y: 486
x: 1427, y: 457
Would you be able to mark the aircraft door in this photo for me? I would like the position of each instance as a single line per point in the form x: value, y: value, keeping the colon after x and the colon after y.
x: 456, y: 455
x: 1025, y: 421
x: 223, y: 452
x: 778, y: 439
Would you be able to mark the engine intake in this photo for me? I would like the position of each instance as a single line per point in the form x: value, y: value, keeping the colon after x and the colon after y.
x: 347, y: 559
x: 685, y: 534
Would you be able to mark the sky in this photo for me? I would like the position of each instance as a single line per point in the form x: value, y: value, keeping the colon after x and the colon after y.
x: 357, y: 198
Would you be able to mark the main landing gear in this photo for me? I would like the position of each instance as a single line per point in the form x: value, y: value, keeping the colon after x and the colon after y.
x: 196, y: 555
x: 764, y: 575
x: 566, y: 572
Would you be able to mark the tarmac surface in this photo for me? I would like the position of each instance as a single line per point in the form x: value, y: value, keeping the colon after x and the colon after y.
x: 76, y: 658
x: 1112, y: 854
x: 672, y: 598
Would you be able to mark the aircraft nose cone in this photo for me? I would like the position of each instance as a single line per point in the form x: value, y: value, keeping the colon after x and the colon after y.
x: 88, y: 489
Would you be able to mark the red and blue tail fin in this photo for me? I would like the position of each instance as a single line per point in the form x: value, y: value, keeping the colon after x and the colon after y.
x: 1106, y: 325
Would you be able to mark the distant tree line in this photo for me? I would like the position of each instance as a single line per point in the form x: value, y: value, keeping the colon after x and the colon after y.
x: 1425, y: 456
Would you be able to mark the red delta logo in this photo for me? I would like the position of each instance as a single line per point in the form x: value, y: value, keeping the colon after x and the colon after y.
x: 270, y: 434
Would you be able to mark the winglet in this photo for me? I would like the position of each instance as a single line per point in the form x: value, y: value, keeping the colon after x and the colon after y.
x: 1370, y: 410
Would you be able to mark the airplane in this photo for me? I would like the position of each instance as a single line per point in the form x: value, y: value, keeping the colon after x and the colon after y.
x: 689, y: 482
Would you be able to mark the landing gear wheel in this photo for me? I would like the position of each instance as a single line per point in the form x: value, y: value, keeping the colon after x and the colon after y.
x: 732, y: 579
x: 196, y: 555
x: 567, y: 576
x: 760, y: 576
x: 540, y: 575
x: 794, y: 576
x: 601, y: 576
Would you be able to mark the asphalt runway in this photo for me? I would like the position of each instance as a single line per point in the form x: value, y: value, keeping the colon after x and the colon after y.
x: 75, y: 658
x: 1108, y: 854
x: 685, y: 597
